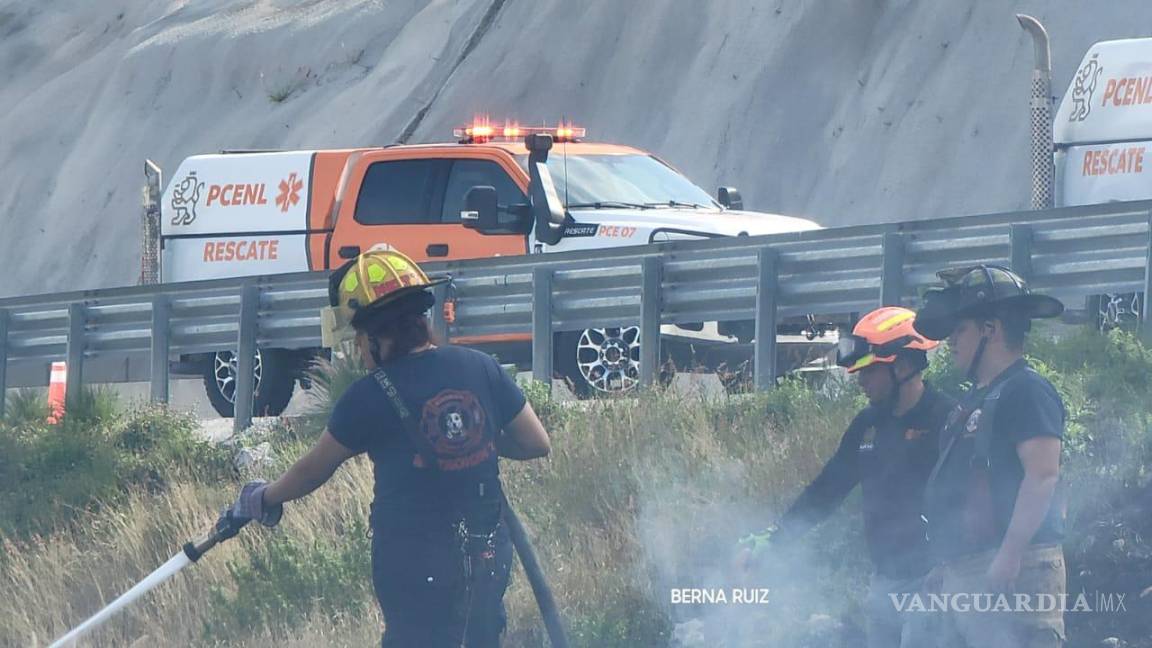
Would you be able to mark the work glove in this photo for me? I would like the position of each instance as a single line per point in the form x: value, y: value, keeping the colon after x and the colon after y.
x: 751, y: 547
x: 250, y: 505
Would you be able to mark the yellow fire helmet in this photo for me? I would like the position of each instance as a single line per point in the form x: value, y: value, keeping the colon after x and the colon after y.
x: 368, y: 284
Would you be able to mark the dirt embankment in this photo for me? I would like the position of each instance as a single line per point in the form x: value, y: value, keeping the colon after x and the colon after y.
x: 843, y: 112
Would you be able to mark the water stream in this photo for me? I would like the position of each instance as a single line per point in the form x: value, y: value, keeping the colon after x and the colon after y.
x: 166, y: 571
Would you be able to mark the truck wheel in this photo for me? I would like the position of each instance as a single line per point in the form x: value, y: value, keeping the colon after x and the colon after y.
x: 600, y: 360
x: 274, y: 382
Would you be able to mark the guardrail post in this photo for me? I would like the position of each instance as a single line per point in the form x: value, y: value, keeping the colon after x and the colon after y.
x: 892, y: 272
x: 161, y: 313
x: 1020, y: 241
x: 246, y: 356
x: 439, y: 321
x: 1146, y: 311
x: 75, y: 355
x: 3, y: 358
x: 542, y: 325
x: 764, y: 352
x: 650, y: 270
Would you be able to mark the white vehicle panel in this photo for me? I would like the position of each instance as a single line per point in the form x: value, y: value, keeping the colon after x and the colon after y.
x: 1092, y: 175
x: 251, y: 192
x: 1110, y: 96
x: 604, y: 228
x: 193, y: 259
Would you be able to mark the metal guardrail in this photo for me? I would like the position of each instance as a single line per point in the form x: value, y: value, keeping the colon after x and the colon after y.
x: 128, y: 334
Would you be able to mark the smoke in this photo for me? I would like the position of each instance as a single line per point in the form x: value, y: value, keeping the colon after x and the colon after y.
x: 689, y: 523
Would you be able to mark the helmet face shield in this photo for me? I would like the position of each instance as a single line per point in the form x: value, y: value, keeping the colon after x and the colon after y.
x: 335, y: 327
x: 854, y: 352
x: 850, y: 350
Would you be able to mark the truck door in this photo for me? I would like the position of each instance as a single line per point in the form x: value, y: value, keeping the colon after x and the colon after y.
x: 413, y: 204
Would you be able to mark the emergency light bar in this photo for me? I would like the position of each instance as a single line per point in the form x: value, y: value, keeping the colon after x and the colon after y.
x: 480, y: 132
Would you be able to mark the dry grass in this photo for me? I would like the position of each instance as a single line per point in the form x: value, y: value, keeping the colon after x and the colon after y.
x: 634, y: 494
x: 49, y: 585
x: 639, y: 495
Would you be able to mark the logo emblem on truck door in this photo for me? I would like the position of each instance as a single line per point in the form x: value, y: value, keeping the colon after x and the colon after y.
x: 1083, y: 88
x: 185, y: 195
x: 289, y: 192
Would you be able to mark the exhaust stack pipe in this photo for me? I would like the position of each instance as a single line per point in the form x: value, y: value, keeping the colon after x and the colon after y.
x: 1043, y: 168
x: 150, y: 225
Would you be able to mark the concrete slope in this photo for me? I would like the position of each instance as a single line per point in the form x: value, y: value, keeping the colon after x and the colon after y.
x: 845, y: 112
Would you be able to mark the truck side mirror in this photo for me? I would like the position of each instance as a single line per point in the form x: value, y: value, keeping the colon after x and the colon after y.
x: 481, y: 210
x: 546, y: 208
x: 730, y: 198
x: 484, y: 214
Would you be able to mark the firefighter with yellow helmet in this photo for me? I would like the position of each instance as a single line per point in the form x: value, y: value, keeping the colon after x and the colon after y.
x: 889, y: 449
x: 433, y: 420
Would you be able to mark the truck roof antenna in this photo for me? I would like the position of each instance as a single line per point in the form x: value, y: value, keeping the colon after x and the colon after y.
x: 564, y: 155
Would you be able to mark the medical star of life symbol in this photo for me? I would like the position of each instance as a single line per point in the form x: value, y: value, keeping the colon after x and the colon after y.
x: 289, y: 192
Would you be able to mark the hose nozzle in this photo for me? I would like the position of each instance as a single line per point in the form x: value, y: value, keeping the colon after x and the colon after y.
x: 225, y: 528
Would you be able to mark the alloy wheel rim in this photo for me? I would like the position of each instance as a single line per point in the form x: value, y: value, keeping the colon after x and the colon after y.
x: 609, y: 358
x: 227, y: 368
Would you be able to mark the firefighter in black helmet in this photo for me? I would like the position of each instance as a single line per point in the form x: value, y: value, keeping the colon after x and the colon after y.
x: 432, y: 420
x: 995, y: 522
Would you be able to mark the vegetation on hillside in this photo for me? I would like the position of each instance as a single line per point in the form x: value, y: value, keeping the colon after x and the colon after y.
x: 639, y: 496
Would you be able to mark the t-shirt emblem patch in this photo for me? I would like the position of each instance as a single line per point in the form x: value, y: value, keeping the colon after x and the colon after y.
x: 869, y: 440
x: 453, y: 422
x: 453, y: 426
x: 912, y: 434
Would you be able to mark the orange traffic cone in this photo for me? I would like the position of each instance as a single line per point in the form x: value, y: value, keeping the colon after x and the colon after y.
x: 57, y: 387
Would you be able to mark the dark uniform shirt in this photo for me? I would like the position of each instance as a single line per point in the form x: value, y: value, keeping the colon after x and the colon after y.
x: 1028, y: 407
x: 891, y: 458
x: 462, y: 399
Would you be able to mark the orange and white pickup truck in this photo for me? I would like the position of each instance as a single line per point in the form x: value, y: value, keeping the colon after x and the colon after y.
x: 495, y: 191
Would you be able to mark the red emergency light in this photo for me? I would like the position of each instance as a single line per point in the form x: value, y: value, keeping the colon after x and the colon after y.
x: 481, y: 131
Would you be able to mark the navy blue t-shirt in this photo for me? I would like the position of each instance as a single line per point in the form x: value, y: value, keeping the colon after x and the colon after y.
x: 462, y: 399
x: 1029, y: 407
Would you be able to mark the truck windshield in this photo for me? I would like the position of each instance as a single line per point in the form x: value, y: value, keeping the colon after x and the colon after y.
x: 591, y: 181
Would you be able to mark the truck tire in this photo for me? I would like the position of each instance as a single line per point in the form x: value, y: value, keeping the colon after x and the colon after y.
x: 599, y: 360
x: 275, y: 382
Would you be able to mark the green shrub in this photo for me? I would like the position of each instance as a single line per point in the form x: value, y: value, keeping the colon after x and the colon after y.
x: 284, y: 579
x: 330, y: 379
x: 51, y: 473
x: 552, y: 413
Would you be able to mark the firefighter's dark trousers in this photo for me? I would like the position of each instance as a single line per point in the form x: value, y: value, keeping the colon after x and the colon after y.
x: 427, y: 598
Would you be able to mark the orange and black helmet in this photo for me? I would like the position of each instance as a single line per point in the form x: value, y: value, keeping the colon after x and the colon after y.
x: 879, y: 337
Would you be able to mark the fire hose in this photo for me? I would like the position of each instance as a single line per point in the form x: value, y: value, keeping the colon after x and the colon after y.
x: 536, y: 579
x: 227, y: 527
